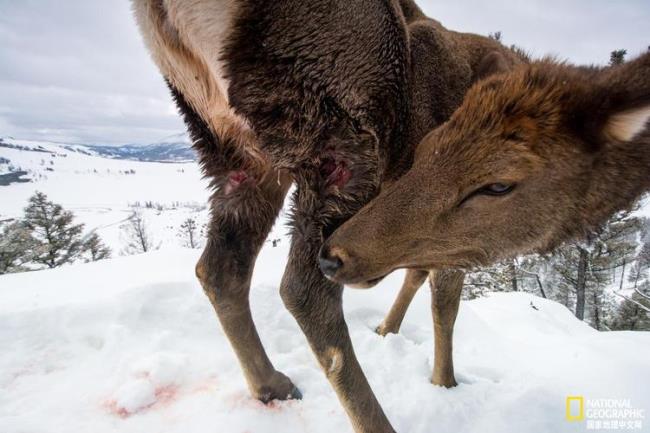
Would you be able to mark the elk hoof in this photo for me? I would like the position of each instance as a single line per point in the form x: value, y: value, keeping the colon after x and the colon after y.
x: 384, y: 330
x: 446, y: 382
x: 279, y: 387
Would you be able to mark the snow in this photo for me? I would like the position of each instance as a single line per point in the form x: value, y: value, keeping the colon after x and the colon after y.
x: 132, y: 344
x: 101, y: 193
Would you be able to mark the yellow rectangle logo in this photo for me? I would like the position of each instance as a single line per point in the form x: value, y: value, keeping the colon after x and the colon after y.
x: 571, y: 402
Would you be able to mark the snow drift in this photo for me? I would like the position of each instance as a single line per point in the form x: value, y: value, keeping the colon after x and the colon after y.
x: 132, y: 344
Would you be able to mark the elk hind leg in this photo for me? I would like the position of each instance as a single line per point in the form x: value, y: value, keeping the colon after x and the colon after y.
x: 412, y: 282
x: 446, y: 287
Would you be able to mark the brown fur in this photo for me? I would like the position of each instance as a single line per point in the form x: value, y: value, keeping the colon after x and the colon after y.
x: 332, y: 96
x: 573, y: 145
x: 571, y: 142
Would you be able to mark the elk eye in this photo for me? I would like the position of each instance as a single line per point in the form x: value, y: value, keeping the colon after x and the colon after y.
x: 492, y: 189
x: 496, y: 189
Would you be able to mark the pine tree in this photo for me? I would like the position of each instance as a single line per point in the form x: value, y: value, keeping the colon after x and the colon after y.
x: 617, y: 57
x: 58, y: 240
x: 95, y: 248
x: 615, y: 248
x: 496, y: 278
x: 634, y: 312
x: 586, y: 269
x: 16, y: 247
x: 527, y: 274
x: 189, y: 233
x: 533, y: 274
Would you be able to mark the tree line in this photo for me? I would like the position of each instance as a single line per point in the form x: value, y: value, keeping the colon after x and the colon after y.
x: 604, y: 280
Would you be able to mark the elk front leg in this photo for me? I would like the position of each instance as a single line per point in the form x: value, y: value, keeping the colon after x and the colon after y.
x: 412, y: 282
x: 243, y: 212
x: 446, y: 287
x: 316, y: 304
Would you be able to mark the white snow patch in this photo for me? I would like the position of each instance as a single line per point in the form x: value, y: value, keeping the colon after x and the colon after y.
x: 132, y: 344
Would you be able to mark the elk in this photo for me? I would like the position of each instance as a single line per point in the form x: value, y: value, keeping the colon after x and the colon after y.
x: 331, y: 96
x: 534, y: 157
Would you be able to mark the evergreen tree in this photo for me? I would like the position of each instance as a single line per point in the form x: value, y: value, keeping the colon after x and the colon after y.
x: 58, y: 240
x: 16, y: 247
x: 95, y: 248
x: 634, y: 312
x: 533, y: 274
x: 189, y: 233
x: 614, y: 252
x: 588, y: 268
x: 500, y: 277
x: 639, y: 269
x: 617, y: 57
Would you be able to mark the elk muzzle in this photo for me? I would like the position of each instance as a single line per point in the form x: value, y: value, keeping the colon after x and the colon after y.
x: 344, y: 267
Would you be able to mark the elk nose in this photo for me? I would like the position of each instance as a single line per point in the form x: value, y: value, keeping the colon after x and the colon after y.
x: 329, y: 263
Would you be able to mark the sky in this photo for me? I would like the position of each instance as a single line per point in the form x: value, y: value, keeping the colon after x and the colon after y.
x: 77, y: 70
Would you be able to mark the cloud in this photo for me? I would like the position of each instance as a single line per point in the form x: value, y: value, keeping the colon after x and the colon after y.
x: 581, y: 31
x: 77, y: 70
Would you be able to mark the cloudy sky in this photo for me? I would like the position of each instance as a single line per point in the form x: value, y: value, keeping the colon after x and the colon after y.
x: 77, y: 71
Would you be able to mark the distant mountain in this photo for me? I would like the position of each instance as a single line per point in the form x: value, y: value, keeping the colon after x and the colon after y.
x: 175, y: 148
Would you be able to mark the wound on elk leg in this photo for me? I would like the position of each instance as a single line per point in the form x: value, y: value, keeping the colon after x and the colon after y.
x: 235, y: 180
x: 335, y: 173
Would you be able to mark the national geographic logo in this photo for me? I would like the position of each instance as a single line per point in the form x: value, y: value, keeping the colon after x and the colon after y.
x: 604, y: 413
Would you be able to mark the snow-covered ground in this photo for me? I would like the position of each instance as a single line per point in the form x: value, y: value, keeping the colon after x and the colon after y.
x: 132, y: 344
x: 102, y: 192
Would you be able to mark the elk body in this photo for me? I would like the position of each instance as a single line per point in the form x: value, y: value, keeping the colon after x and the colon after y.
x: 332, y: 96
x: 534, y: 157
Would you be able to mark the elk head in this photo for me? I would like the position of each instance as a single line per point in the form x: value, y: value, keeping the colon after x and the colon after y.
x: 532, y: 158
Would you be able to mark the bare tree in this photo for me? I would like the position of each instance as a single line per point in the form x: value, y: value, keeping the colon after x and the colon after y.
x: 138, y: 238
x: 495, y: 35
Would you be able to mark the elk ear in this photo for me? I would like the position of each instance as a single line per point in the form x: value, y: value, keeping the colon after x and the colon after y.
x: 624, y: 93
x: 627, y: 124
x: 492, y: 63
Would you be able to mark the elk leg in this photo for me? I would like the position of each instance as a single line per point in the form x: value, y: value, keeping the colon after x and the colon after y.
x: 412, y: 282
x: 316, y: 304
x: 446, y: 286
x: 242, y: 216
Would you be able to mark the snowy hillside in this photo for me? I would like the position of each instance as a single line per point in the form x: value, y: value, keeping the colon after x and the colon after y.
x: 103, y: 192
x: 132, y: 345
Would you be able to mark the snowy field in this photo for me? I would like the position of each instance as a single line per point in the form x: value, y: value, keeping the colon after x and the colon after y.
x: 132, y: 344
x: 103, y: 192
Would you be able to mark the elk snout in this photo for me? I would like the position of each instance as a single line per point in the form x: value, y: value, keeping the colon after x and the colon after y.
x: 339, y: 265
x: 330, y: 261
